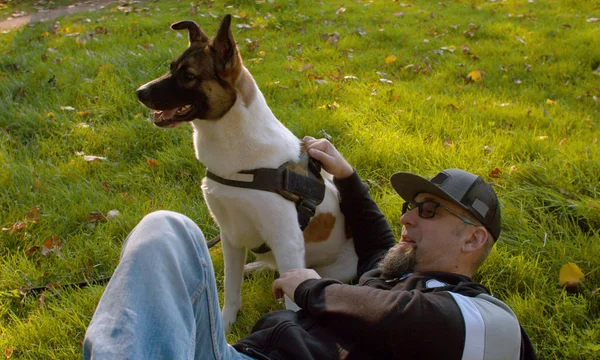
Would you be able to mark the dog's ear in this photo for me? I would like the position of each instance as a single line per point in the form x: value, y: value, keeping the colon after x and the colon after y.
x: 225, y: 48
x: 197, y: 36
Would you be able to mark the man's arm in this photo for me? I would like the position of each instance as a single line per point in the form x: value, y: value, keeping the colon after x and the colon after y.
x: 370, y: 229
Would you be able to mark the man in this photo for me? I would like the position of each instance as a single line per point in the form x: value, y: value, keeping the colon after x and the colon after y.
x: 415, y: 299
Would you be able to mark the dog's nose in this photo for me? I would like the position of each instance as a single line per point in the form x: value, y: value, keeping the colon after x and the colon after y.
x: 142, y: 93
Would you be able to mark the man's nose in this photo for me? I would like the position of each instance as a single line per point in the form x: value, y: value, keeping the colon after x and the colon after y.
x: 410, y: 217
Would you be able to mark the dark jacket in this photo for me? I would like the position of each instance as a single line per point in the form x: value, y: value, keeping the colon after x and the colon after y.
x: 430, y: 315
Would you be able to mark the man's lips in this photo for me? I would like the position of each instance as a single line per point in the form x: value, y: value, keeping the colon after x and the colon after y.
x: 406, y: 239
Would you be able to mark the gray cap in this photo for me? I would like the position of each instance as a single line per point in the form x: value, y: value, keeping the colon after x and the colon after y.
x: 457, y: 186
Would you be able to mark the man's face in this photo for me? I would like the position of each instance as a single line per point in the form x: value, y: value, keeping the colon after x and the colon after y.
x: 432, y: 244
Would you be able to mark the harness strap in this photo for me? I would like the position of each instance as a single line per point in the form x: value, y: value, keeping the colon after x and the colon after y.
x: 300, y: 183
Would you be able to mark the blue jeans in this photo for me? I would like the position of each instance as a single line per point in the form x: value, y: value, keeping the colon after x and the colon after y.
x: 161, y: 302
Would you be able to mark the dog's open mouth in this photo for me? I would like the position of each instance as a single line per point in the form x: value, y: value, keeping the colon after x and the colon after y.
x: 173, y: 117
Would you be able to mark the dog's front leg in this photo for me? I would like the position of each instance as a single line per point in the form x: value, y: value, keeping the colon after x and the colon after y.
x: 288, y: 249
x: 234, y: 258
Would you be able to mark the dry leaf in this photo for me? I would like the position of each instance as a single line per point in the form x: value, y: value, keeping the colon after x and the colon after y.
x: 563, y: 141
x: 495, y: 173
x: 542, y: 137
x: 550, y: 102
x: 152, y: 163
x: 41, y: 301
x: 475, y: 75
x: 51, y: 245
x: 112, y: 214
x: 95, y: 216
x: 32, y: 250
x: 92, y: 158
x: 390, y: 59
x: 68, y: 108
x: 448, y: 142
x: 570, y: 277
x: 19, y: 225
x: 33, y: 214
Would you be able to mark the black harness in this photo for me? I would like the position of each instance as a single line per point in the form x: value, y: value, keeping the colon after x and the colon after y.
x: 300, y: 182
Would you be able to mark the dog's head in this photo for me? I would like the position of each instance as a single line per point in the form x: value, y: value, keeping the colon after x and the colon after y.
x: 200, y: 82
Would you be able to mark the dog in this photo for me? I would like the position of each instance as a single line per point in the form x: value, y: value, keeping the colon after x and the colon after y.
x: 234, y: 130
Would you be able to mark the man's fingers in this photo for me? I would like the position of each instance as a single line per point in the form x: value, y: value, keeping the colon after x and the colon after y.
x: 321, y: 156
x: 277, y: 292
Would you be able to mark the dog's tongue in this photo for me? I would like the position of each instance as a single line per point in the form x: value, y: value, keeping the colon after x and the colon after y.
x: 164, y: 115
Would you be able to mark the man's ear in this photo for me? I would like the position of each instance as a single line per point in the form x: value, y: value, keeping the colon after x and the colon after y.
x: 477, y: 239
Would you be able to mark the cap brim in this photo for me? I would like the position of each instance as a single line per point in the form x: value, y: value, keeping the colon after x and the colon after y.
x: 409, y: 185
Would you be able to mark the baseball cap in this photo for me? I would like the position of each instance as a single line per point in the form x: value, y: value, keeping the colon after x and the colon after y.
x: 459, y: 187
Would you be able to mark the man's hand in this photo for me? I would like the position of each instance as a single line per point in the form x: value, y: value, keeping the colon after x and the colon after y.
x: 324, y: 151
x: 289, y: 281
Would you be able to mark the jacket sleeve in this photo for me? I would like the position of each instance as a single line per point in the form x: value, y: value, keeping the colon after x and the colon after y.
x: 371, y: 232
x: 398, y: 323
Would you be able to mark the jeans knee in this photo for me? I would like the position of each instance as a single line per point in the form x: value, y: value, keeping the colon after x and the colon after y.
x: 164, y: 231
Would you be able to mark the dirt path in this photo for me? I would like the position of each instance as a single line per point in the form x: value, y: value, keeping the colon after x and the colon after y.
x: 89, y: 5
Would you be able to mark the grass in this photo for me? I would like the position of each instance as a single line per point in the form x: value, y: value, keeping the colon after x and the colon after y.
x: 530, y: 126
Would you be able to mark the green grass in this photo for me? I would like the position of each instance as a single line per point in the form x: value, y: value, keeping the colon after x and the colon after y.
x: 534, y: 116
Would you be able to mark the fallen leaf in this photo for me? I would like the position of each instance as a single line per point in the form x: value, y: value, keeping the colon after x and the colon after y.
x: 475, y: 75
x: 563, y: 141
x: 495, y: 173
x: 570, y: 276
x: 448, y: 142
x: 51, y: 245
x: 517, y: 81
x: 340, y: 10
x: 8, y: 353
x: 390, y: 59
x: 19, y: 225
x: 41, y: 301
x: 593, y: 20
x: 550, y: 102
x: 92, y: 158
x: 542, y: 137
x: 112, y: 215
x: 68, y: 108
x: 83, y: 113
x: 33, y: 214
x: 513, y: 169
x: 32, y: 250
x: 95, y: 216
x: 152, y: 163
x: 455, y: 107
x: 386, y: 81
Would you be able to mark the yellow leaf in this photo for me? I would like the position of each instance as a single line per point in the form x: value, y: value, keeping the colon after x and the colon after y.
x: 475, y: 75
x: 570, y: 272
x: 390, y: 59
x: 550, y: 102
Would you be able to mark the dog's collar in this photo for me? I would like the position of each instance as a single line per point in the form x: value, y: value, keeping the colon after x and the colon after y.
x: 300, y: 182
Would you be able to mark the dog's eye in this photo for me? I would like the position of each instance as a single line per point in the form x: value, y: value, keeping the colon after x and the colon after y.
x: 189, y: 76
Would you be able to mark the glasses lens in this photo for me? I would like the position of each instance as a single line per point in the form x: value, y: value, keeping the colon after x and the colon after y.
x: 406, y: 207
x: 427, y: 209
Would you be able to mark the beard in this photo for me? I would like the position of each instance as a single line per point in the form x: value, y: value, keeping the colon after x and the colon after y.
x: 398, y: 261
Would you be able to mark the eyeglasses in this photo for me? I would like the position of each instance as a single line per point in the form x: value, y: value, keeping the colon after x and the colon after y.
x: 427, y: 210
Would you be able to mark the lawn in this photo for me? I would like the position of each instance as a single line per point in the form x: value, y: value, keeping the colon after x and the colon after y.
x: 505, y: 89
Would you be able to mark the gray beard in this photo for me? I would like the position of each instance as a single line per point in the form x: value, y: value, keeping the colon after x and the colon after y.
x: 398, y: 261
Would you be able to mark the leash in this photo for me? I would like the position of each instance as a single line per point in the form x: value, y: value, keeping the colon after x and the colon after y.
x: 300, y: 182
x: 24, y: 291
